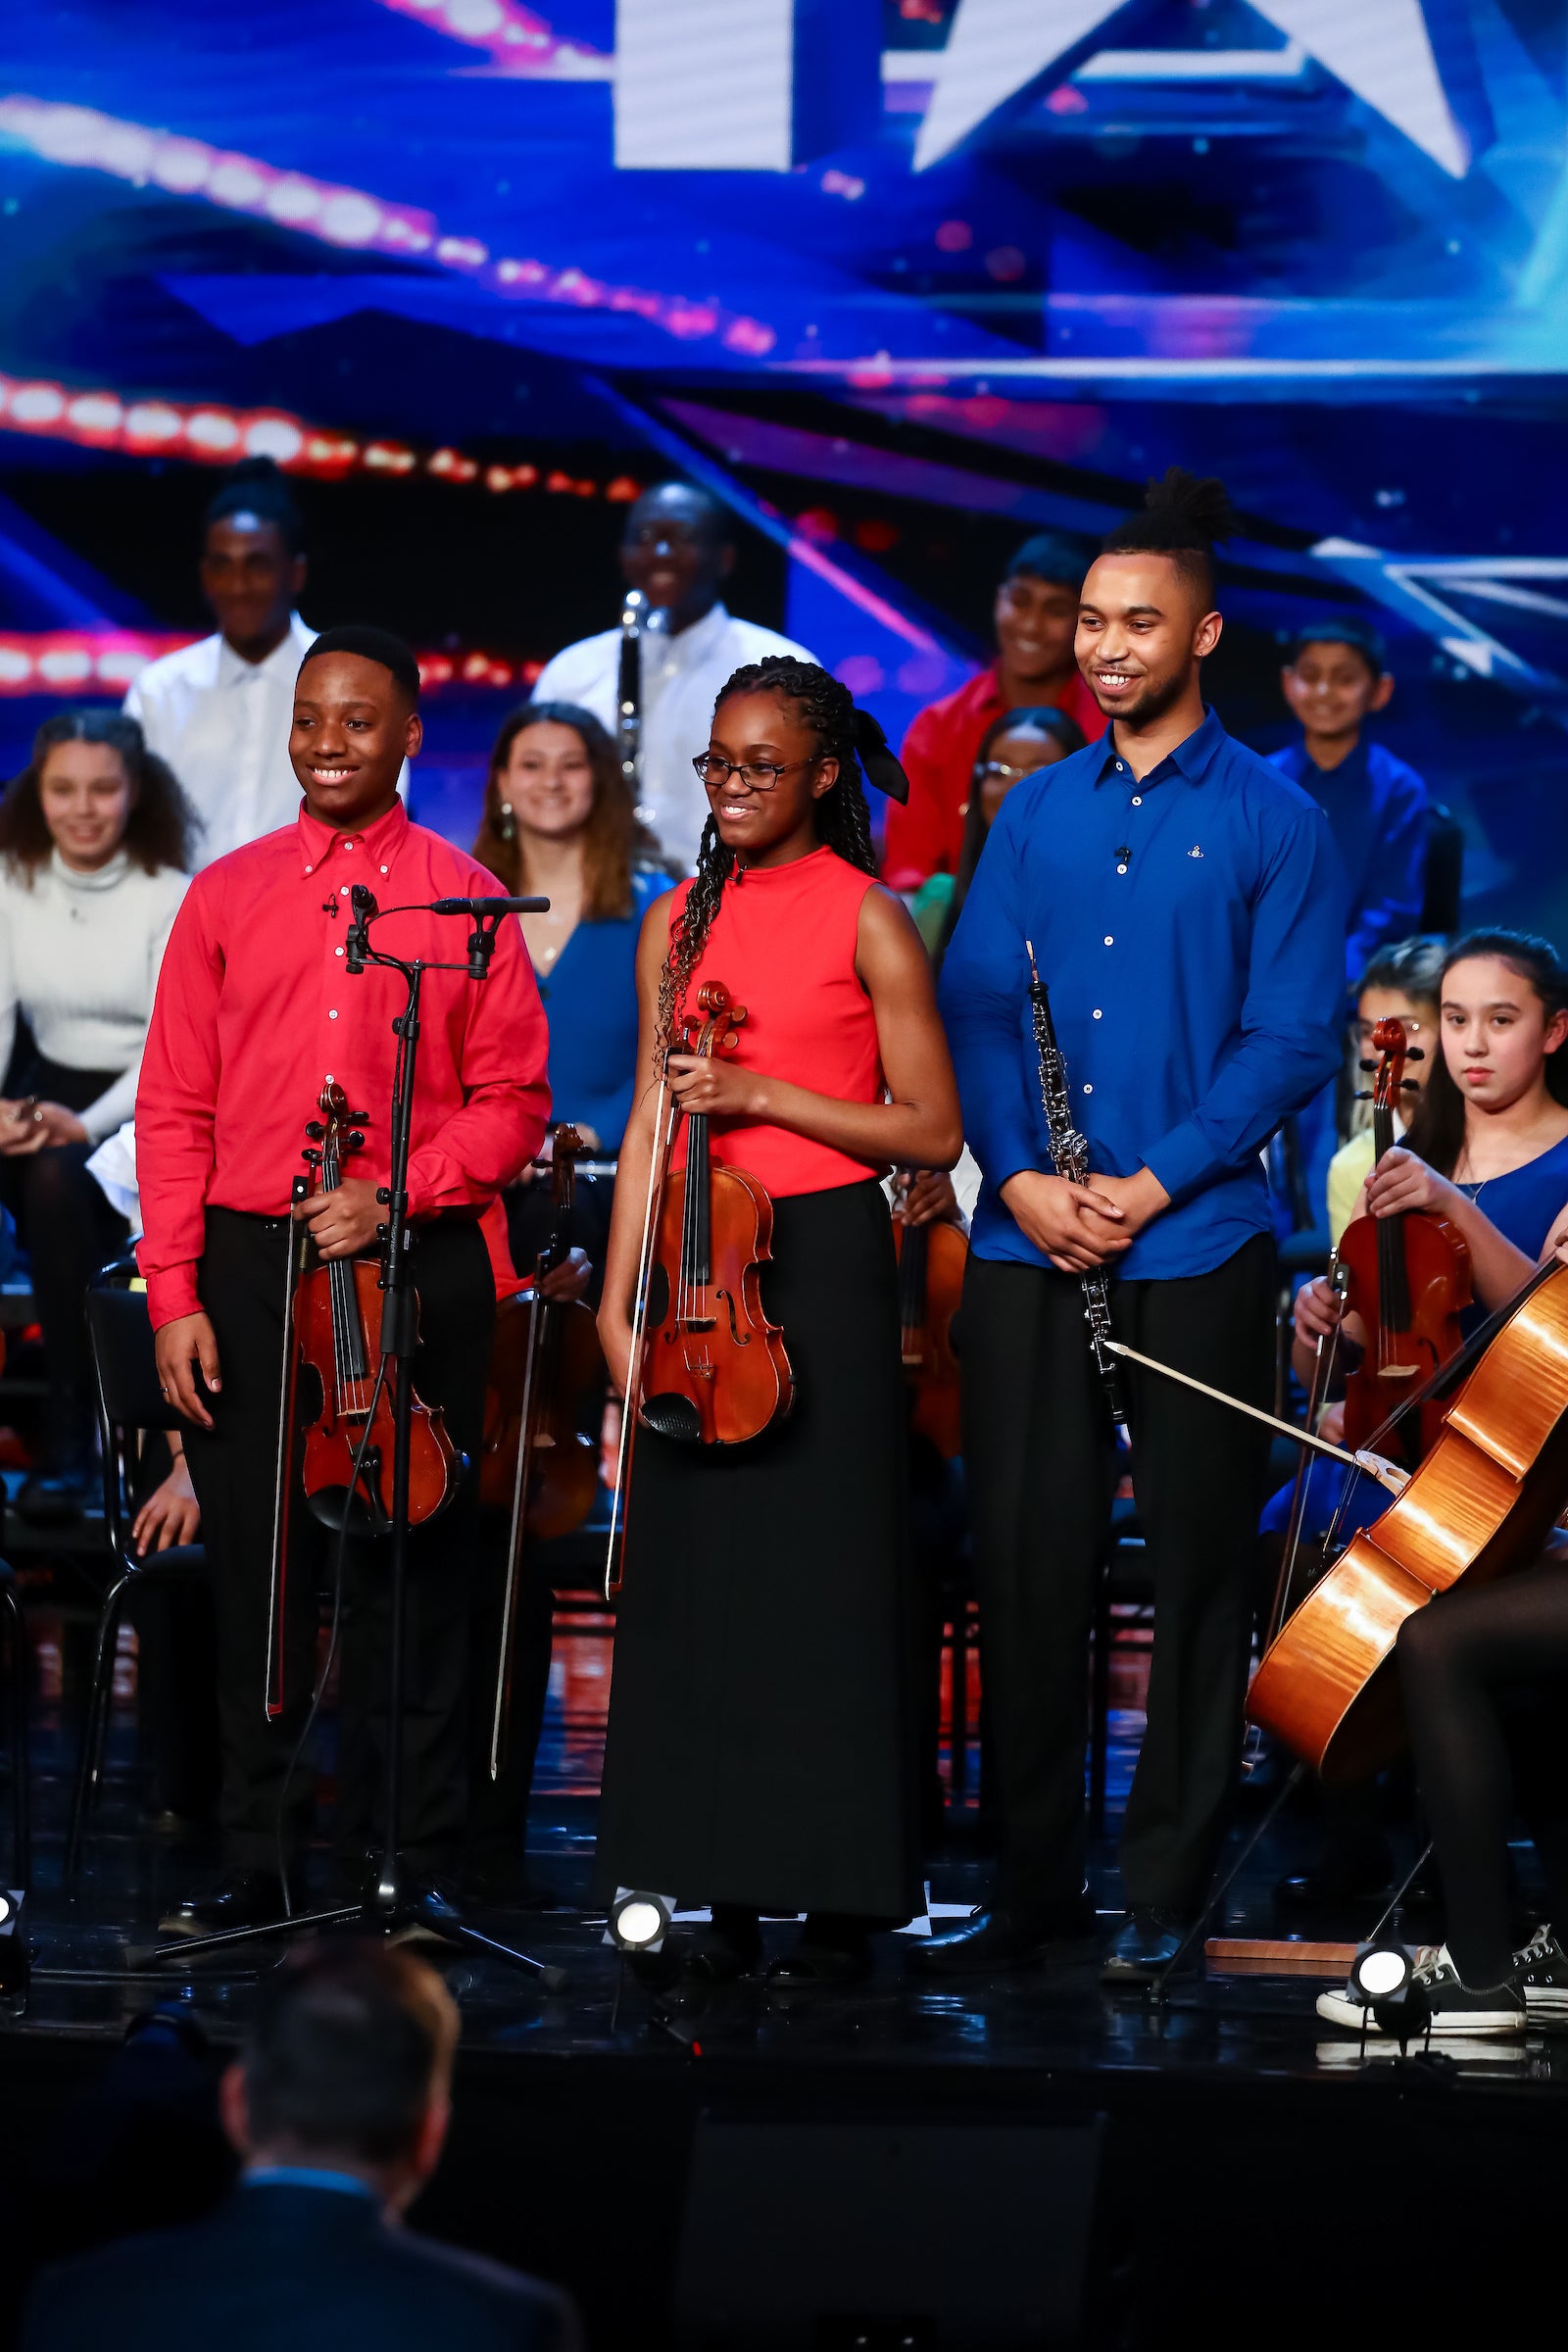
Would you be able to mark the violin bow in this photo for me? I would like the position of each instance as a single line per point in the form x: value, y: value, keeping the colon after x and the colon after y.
x: 658, y: 1170
x: 1386, y: 1473
x: 275, y: 1696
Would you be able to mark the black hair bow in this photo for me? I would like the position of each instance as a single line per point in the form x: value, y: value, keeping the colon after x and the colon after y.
x: 877, y: 760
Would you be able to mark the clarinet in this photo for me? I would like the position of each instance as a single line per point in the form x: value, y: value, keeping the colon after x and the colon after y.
x: 635, y: 619
x: 1069, y: 1155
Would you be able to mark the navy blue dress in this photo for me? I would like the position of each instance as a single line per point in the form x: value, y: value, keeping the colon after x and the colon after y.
x: 590, y: 1001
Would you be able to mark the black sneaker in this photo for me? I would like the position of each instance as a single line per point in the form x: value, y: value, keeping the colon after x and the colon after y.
x: 242, y: 1898
x: 1541, y: 1970
x: 1438, y: 2004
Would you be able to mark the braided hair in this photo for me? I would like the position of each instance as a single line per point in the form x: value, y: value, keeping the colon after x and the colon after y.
x: 843, y: 821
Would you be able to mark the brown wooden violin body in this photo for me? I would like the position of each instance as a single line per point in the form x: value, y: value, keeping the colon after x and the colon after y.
x: 556, y: 1388
x: 337, y: 1345
x: 1408, y: 1282
x: 931, y: 1262
x: 1483, y: 1502
x: 714, y: 1369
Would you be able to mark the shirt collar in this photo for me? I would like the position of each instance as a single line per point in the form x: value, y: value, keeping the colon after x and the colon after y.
x: 280, y: 666
x: 695, y: 644
x: 1191, y: 758
x: 101, y: 877
x: 1351, y: 770
x: 381, y: 842
x: 309, y: 2175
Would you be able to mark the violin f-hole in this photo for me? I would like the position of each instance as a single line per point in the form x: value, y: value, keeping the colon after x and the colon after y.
x: 740, y: 1337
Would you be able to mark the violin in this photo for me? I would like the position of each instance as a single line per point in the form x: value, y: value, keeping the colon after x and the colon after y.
x: 931, y: 1262
x: 1482, y: 1502
x: 336, y: 1348
x: 544, y: 1361
x: 714, y: 1370
x: 1408, y: 1279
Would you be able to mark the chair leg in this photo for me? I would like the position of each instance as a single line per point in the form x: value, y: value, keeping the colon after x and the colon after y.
x: 959, y: 1697
x: 1099, y: 1701
x: 95, y: 1725
x: 21, y: 1692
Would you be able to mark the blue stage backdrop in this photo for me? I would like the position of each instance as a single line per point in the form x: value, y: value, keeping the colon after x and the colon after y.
x: 901, y: 281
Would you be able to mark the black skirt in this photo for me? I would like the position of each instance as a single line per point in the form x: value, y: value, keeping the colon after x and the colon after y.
x: 759, y: 1749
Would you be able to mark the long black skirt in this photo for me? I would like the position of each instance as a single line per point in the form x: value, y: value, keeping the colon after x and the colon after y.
x: 760, y: 1742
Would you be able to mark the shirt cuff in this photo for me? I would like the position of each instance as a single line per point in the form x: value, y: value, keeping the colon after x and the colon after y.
x: 1182, y: 1160
x: 172, y: 1292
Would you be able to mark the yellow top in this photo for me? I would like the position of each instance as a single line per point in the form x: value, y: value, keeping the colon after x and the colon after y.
x: 1349, y: 1170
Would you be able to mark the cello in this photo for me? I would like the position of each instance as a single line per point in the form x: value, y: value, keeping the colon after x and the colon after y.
x: 1407, y: 1279
x: 931, y: 1259
x: 1482, y: 1502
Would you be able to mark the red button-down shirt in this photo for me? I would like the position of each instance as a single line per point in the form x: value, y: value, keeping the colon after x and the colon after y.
x: 255, y: 1011
x: 926, y: 835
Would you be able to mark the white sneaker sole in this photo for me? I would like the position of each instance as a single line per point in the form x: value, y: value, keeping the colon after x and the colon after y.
x: 1338, y: 2009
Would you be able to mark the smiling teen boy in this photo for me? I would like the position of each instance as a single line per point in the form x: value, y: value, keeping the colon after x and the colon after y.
x: 255, y: 1011
x: 1186, y: 908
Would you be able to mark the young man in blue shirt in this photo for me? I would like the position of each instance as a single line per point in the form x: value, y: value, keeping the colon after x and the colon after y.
x: 1187, y: 910
x: 1336, y: 678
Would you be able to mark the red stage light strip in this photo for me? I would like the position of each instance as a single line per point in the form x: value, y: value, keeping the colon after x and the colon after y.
x: 78, y: 136
x: 211, y: 434
x: 518, y: 42
x: 89, y: 663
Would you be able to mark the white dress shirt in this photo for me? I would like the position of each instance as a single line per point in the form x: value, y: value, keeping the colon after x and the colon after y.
x: 681, y: 676
x: 222, y: 723
x: 79, y: 955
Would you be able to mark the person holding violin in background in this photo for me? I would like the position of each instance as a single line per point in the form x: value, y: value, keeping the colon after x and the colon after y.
x: 255, y: 1015
x: 1185, y: 905
x: 760, y: 1750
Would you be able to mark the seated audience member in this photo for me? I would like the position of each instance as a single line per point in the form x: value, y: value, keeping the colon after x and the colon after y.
x: 1012, y: 747
x: 1336, y: 678
x: 1399, y: 984
x: 339, y: 2108
x: 219, y: 711
x: 1036, y: 622
x: 678, y: 548
x: 94, y: 837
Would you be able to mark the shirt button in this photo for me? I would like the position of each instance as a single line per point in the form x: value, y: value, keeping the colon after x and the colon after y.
x: 310, y: 869
x: 1121, y: 869
x: 343, y: 890
x: 1110, y: 942
x: 1099, y: 1016
x: 1120, y: 770
x: 331, y: 1016
x: 1138, y: 799
x: 1089, y: 1090
x: 387, y: 869
x: 336, y: 951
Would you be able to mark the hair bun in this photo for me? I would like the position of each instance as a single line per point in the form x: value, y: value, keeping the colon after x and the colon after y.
x: 876, y: 758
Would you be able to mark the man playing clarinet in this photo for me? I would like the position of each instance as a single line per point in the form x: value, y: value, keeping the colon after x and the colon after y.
x: 1186, y: 909
x: 255, y: 1011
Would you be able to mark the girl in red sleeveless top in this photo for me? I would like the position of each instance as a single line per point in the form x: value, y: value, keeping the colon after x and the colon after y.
x: 760, y: 1755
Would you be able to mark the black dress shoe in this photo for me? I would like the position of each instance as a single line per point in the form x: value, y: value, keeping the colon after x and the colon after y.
x: 1145, y: 1947
x: 1000, y: 1939
x: 242, y: 1898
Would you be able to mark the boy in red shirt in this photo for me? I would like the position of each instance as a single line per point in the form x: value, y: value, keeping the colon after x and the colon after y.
x: 255, y: 1011
x: 1036, y: 618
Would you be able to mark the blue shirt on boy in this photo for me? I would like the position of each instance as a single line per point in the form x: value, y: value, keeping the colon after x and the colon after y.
x: 1377, y: 811
x: 1191, y: 930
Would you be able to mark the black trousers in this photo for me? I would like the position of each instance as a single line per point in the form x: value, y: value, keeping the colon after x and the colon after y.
x: 1041, y: 1474
x: 1484, y: 1675
x: 233, y: 1467
x: 69, y: 1231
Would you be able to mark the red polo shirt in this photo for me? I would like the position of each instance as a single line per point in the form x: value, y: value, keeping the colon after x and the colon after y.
x: 255, y: 1010
x: 926, y: 836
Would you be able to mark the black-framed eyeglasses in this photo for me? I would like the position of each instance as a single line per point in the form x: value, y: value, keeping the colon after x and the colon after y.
x: 758, y: 776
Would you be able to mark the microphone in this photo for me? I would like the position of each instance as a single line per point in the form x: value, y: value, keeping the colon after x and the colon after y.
x: 357, y: 937
x: 483, y: 906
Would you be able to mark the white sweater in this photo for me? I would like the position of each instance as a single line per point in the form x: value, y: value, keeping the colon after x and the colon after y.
x: 79, y: 955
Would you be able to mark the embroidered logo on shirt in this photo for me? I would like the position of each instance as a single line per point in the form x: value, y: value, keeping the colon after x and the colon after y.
x: 1194, y: 850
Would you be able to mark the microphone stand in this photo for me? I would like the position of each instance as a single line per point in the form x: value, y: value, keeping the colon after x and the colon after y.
x: 392, y: 1904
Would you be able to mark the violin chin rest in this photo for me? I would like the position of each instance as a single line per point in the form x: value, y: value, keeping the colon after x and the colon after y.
x: 673, y: 1416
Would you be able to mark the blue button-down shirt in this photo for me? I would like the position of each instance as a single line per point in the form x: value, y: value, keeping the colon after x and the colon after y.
x: 1191, y: 930
x: 1377, y: 811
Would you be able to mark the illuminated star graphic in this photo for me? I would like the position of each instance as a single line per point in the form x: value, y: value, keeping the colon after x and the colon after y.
x: 1380, y: 49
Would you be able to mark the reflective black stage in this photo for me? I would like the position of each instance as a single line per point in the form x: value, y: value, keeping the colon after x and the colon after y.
x: 1255, y: 2162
